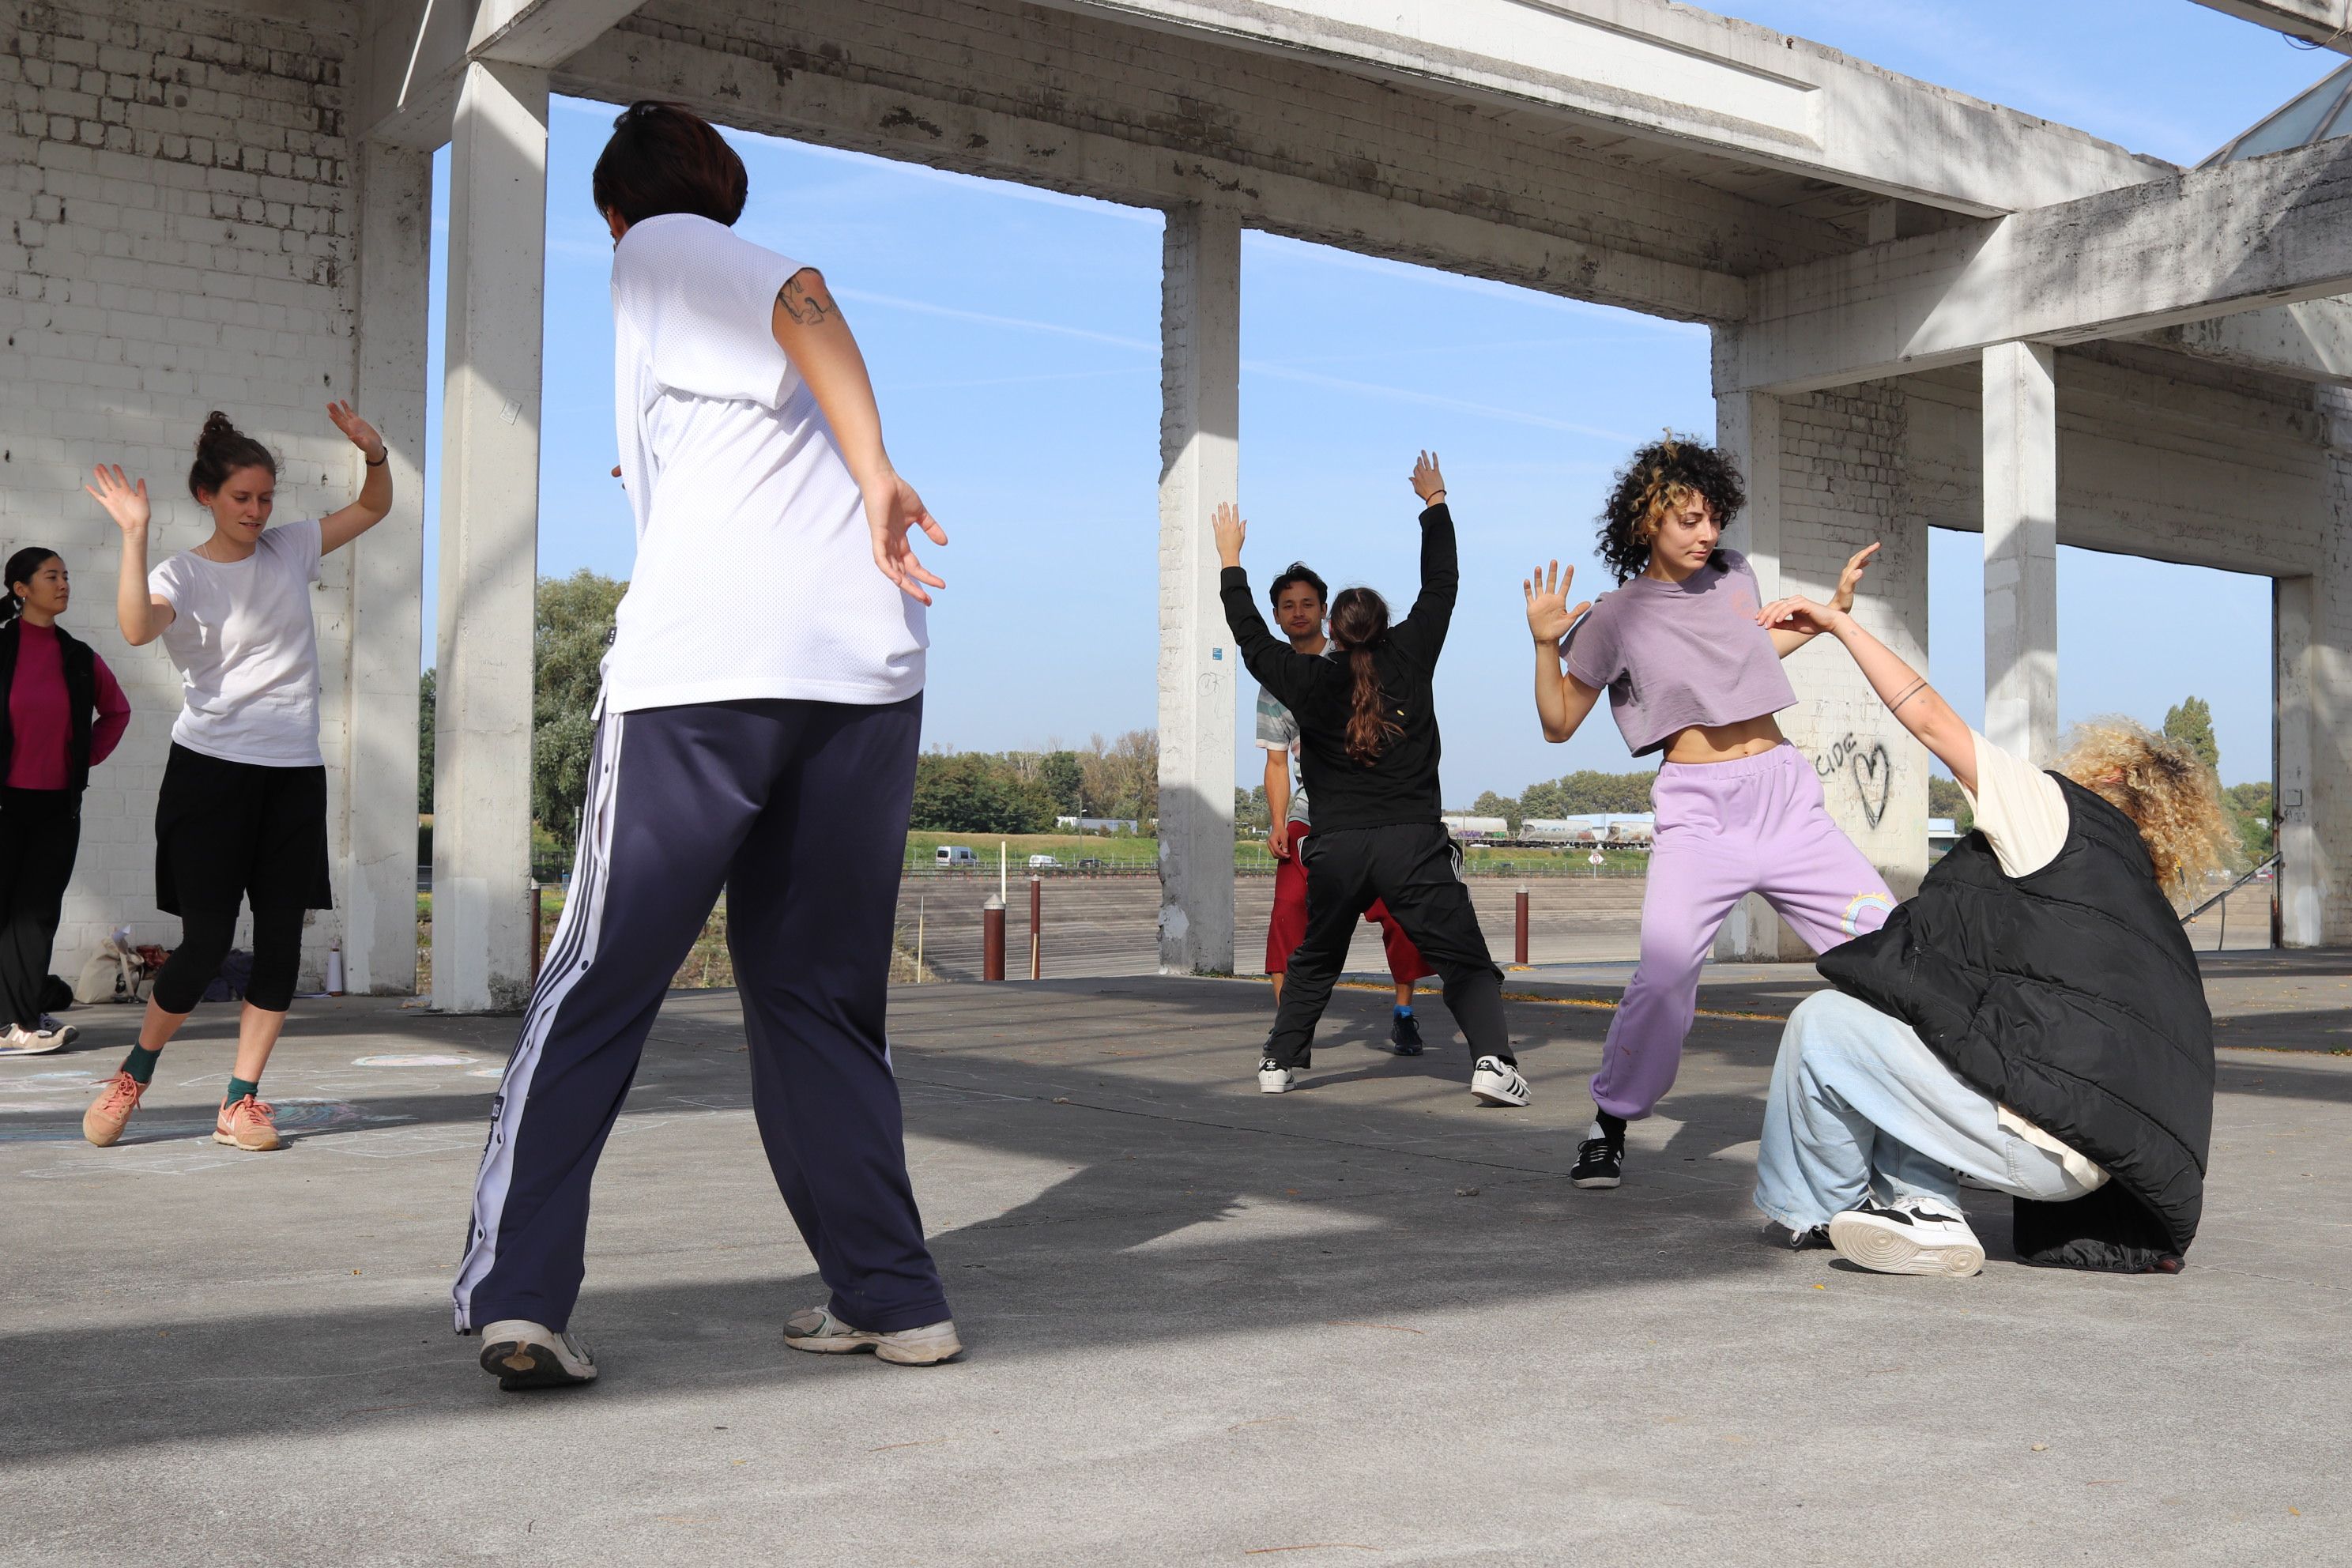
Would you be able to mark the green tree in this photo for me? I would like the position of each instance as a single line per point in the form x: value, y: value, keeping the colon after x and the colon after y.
x: 1065, y: 781
x: 2191, y: 722
x: 974, y: 792
x: 1502, y: 806
x: 426, y: 703
x: 1251, y: 812
x: 1946, y: 798
x: 575, y: 625
x: 2249, y: 805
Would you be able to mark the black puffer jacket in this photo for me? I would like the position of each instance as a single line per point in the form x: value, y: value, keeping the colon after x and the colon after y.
x: 2070, y: 996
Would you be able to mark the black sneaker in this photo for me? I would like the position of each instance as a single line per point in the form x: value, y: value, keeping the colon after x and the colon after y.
x: 1404, y: 1034
x: 1600, y: 1158
x: 1775, y: 1234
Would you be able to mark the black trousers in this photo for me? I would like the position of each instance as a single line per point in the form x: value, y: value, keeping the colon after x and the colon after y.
x: 1411, y: 866
x: 798, y: 811
x: 40, y: 833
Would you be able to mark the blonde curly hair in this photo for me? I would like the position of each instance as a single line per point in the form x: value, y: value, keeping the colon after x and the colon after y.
x: 2167, y: 790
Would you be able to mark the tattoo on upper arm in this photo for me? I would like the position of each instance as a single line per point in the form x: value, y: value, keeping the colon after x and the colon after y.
x: 1910, y: 691
x: 806, y: 306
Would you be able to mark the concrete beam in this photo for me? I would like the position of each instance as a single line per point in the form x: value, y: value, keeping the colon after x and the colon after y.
x: 1748, y: 428
x: 490, y: 540
x: 2322, y: 21
x: 379, y: 764
x: 1679, y: 75
x: 413, y: 53
x: 1200, y: 456
x: 2020, y: 550
x: 2297, y: 645
x: 941, y: 132
x: 2201, y: 244
x: 2310, y: 341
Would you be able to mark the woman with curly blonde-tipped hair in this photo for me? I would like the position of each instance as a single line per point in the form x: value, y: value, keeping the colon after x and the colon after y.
x: 2032, y: 1019
x: 1691, y: 674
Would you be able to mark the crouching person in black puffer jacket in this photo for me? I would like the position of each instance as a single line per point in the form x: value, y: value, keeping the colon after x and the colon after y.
x: 2032, y: 1020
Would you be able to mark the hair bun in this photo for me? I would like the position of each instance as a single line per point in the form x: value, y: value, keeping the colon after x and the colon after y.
x: 218, y: 427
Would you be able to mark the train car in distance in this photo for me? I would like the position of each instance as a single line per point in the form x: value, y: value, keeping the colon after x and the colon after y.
x: 1624, y: 830
x: 1477, y: 829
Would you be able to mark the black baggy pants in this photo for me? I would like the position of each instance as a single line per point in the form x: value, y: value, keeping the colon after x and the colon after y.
x: 40, y: 833
x: 798, y: 810
x: 1412, y: 867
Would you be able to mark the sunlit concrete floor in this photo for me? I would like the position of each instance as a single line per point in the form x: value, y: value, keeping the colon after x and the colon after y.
x: 1366, y: 1322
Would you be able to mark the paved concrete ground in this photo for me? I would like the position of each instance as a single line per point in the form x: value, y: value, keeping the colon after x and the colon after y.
x: 1366, y: 1321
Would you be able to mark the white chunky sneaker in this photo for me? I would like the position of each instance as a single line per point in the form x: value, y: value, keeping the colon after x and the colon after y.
x: 1910, y: 1236
x: 20, y: 1041
x: 819, y: 1331
x: 1496, y: 1082
x: 523, y: 1354
x: 1273, y: 1078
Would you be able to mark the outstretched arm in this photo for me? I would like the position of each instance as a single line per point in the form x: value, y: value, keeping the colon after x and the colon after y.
x: 809, y: 327
x: 1914, y: 704
x: 1561, y: 700
x: 1787, y: 640
x: 1423, y: 630
x: 141, y: 615
x: 373, y: 504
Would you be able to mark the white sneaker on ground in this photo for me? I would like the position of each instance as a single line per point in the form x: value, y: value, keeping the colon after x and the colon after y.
x: 1273, y: 1078
x: 67, y: 1033
x: 819, y: 1331
x: 1496, y: 1082
x: 523, y: 1354
x: 1910, y: 1236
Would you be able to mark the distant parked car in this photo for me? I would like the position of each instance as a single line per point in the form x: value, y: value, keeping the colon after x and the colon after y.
x: 955, y: 855
x: 1043, y: 863
x: 1091, y: 864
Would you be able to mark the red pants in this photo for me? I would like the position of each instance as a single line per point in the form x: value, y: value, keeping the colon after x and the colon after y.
x: 1288, y: 925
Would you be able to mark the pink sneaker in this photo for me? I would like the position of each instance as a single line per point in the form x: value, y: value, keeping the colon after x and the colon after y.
x: 102, y: 1123
x: 247, y: 1123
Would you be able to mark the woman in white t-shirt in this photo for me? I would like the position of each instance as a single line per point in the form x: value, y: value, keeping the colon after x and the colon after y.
x: 242, y: 813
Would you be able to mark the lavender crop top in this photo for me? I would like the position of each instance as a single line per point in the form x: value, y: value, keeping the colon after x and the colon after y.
x: 1671, y: 655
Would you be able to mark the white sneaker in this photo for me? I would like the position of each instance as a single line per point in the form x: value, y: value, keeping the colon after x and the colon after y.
x: 819, y: 1331
x: 523, y: 1354
x: 1910, y: 1236
x: 1496, y: 1082
x: 1274, y: 1078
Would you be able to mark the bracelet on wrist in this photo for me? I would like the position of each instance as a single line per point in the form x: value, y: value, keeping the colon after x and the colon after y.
x: 379, y: 460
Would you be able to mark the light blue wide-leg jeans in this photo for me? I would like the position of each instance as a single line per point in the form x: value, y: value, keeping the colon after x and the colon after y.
x: 1861, y: 1105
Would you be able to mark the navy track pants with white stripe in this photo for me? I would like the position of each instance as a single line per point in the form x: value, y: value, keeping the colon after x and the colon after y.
x: 798, y: 810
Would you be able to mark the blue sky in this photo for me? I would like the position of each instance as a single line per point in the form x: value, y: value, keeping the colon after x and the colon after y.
x: 1013, y: 336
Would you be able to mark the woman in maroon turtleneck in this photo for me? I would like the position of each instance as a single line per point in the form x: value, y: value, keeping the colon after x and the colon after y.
x: 63, y: 713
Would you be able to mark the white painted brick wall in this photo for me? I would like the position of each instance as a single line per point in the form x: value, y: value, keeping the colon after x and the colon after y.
x: 174, y: 237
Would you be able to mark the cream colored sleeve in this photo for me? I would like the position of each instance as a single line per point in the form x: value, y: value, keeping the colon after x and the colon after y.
x: 2018, y: 808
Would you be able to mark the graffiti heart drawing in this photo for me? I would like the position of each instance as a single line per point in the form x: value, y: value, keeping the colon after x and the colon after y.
x: 1874, y: 780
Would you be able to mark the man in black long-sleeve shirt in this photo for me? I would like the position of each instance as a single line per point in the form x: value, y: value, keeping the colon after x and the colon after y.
x: 1378, y: 833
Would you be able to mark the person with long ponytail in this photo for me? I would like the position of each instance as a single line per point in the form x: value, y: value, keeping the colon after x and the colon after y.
x: 1368, y: 747
x: 242, y: 813
x: 61, y: 713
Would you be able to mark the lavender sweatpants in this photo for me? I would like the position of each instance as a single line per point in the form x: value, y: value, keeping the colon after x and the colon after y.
x: 1725, y: 829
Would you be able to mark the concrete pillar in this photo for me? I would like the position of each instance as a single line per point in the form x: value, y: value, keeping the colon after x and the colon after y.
x: 1748, y: 428
x: 1200, y: 430
x: 379, y: 877
x: 2021, y: 546
x: 490, y: 540
x: 2300, y: 884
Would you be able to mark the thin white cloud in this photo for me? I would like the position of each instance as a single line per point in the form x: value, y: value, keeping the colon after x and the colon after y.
x: 983, y: 318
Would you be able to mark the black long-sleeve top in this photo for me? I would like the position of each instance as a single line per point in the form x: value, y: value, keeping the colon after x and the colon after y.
x: 1400, y: 785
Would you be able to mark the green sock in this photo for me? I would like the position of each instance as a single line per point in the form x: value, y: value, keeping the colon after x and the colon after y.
x: 238, y: 1088
x: 140, y: 1063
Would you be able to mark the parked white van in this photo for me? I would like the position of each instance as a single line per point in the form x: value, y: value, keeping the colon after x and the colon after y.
x: 1043, y: 863
x: 955, y: 855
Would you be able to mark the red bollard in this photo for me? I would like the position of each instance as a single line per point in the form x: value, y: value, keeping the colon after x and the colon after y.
x: 1519, y: 930
x: 1036, y: 926
x: 992, y: 939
